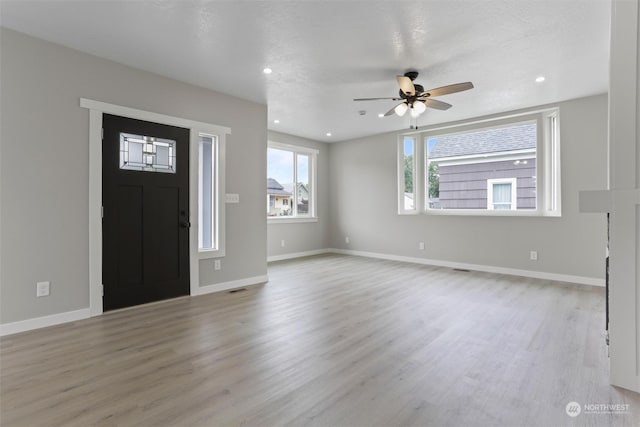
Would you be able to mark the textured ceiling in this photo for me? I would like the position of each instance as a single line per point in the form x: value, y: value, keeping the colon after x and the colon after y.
x: 325, y: 53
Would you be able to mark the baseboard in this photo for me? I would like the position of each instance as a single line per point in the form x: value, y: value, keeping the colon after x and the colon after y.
x: 234, y: 284
x: 43, y: 322
x: 72, y: 316
x: 591, y: 281
x: 297, y: 255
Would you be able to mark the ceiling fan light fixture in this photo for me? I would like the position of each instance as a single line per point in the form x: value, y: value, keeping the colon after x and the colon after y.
x: 419, y: 107
x: 401, y: 109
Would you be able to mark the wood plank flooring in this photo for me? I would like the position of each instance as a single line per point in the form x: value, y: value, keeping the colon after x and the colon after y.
x: 330, y: 340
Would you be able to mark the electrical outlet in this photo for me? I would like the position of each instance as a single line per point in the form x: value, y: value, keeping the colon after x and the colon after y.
x: 217, y: 265
x: 421, y: 246
x: 347, y: 240
x: 282, y: 243
x: 43, y: 289
x: 533, y: 255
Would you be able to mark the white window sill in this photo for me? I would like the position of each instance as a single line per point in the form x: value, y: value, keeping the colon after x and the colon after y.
x: 409, y: 212
x: 290, y: 220
x: 210, y: 253
x: 486, y: 212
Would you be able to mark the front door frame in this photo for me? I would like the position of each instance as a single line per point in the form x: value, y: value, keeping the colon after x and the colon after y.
x: 96, y: 110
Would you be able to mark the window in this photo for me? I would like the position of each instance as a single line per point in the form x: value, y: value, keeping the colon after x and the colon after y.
x: 146, y: 153
x: 461, y: 165
x: 407, y: 164
x: 290, y: 182
x: 501, y: 194
x: 207, y: 191
x: 504, y: 166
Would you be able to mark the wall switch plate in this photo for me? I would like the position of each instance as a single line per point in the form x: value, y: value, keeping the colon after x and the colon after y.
x: 43, y: 289
x: 533, y: 255
x: 232, y: 198
x: 217, y: 265
x: 282, y: 243
x: 347, y: 240
x: 421, y: 246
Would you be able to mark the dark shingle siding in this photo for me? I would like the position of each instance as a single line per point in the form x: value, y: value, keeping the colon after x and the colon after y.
x: 511, y: 138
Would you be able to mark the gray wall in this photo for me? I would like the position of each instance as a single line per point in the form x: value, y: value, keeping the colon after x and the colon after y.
x: 363, y: 202
x: 303, y: 236
x: 44, y: 176
x: 44, y: 184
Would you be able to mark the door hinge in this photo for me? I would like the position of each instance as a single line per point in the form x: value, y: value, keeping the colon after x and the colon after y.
x: 102, y: 289
x: 101, y: 211
x: 102, y: 133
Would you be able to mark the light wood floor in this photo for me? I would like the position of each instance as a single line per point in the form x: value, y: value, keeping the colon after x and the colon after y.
x: 330, y: 340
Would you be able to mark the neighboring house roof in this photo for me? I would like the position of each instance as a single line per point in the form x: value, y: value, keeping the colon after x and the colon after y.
x: 511, y: 138
x: 301, y: 186
x: 274, y: 187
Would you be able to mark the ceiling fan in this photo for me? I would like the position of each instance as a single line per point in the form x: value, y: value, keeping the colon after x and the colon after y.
x: 415, y: 99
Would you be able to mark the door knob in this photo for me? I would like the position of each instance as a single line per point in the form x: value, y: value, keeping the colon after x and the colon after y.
x: 185, y: 224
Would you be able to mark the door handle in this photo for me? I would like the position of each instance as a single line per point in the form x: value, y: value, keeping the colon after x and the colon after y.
x: 185, y: 224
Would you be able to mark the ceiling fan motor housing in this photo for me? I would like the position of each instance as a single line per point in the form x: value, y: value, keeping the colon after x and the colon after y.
x: 418, y: 90
x: 411, y: 74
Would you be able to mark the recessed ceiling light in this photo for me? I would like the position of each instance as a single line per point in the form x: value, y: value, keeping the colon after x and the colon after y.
x: 540, y: 79
x: 267, y: 71
x: 328, y: 133
x: 381, y: 115
x: 276, y: 121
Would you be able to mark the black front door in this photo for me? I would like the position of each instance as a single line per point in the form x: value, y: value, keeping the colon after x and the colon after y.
x: 145, y: 225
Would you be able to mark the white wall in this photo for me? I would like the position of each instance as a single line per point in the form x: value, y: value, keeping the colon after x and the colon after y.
x: 303, y: 236
x: 363, y: 203
x: 624, y: 194
x: 44, y: 176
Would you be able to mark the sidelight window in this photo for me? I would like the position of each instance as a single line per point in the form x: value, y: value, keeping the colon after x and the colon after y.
x: 207, y: 191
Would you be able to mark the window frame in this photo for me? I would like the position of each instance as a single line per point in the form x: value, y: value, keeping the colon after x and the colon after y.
x: 514, y: 192
x: 218, y: 188
x: 417, y: 183
x: 548, y: 162
x: 313, y: 162
x: 216, y: 247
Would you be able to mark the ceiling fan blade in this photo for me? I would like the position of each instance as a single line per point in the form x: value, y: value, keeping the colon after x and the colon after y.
x: 446, y: 90
x: 434, y: 103
x: 393, y: 110
x: 375, y: 99
x: 406, y: 85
